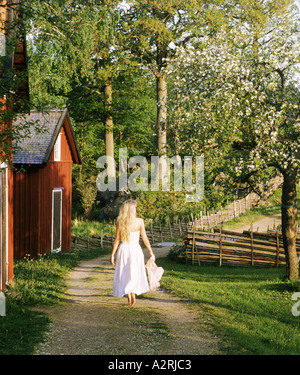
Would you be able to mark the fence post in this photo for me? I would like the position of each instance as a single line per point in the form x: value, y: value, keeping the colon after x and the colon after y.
x: 170, y: 227
x: 201, y: 220
x: 220, y: 246
x: 251, y: 241
x: 193, y: 247
x: 161, y: 237
x: 152, y: 231
x: 101, y: 243
x: 277, y: 247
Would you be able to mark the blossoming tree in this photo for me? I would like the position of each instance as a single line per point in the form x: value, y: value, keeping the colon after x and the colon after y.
x: 239, y: 93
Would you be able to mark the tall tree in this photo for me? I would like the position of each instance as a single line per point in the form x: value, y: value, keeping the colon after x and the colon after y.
x: 77, y: 38
x: 152, y: 30
x: 241, y: 97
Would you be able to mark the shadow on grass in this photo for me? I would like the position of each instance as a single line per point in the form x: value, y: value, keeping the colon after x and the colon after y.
x: 21, y: 329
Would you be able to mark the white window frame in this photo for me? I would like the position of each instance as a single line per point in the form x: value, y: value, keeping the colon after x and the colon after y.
x: 60, y: 229
x: 57, y: 148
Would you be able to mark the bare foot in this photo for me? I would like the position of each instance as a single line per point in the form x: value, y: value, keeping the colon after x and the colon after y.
x: 132, y: 299
x: 129, y: 299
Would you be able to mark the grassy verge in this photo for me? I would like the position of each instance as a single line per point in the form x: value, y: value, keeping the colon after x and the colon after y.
x: 37, y: 282
x: 249, y: 307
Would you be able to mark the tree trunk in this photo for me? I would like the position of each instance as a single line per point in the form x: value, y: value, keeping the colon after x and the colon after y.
x: 289, y: 224
x: 109, y: 126
x: 161, y: 123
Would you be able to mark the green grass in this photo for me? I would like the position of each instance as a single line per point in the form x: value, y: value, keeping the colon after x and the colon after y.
x: 36, y: 283
x: 84, y: 228
x: 249, y: 307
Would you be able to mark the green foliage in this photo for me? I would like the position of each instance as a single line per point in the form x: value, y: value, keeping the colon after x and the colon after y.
x: 159, y: 205
x: 163, y: 204
x: 40, y: 281
x: 88, y: 193
x: 74, y: 50
x: 177, y: 254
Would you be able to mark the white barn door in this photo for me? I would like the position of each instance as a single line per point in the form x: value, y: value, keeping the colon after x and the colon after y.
x: 56, y: 220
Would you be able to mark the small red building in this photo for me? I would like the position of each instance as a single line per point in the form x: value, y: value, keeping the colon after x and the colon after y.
x: 43, y: 185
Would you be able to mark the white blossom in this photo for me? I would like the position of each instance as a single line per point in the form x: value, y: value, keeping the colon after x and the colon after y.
x: 221, y: 87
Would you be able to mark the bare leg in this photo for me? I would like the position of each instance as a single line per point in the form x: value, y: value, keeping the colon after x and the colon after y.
x: 132, y: 299
x: 129, y: 299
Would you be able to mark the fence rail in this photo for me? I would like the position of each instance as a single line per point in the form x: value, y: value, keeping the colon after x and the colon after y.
x: 223, y: 247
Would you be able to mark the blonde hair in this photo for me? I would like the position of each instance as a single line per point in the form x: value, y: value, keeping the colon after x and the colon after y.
x: 126, y: 218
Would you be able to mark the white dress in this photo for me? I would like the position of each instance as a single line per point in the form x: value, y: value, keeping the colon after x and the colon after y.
x: 130, y: 273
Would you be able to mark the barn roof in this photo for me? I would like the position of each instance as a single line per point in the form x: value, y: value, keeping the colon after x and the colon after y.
x: 37, y: 147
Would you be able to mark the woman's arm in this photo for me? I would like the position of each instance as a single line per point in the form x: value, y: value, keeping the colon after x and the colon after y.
x: 146, y: 240
x: 115, y: 246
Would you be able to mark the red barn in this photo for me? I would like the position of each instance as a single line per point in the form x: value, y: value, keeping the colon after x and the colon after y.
x: 43, y: 185
x: 14, y: 63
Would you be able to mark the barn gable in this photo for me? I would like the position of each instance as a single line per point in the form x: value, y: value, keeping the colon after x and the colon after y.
x: 37, y: 148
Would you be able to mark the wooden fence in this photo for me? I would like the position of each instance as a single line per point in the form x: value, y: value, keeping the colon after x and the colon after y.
x: 251, y: 248
x: 94, y: 242
x: 220, y: 246
x: 155, y: 232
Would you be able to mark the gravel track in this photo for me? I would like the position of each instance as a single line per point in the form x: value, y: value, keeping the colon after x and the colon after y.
x: 90, y: 321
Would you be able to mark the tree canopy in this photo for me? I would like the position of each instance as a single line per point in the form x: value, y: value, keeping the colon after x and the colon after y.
x: 218, y: 78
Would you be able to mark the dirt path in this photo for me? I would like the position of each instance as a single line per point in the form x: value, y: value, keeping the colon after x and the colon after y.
x: 91, y: 321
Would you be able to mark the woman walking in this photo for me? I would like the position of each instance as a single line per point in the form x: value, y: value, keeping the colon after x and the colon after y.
x: 130, y: 274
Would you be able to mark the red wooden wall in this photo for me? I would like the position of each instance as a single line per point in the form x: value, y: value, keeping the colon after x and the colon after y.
x: 10, y: 259
x: 6, y: 210
x: 33, y: 204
